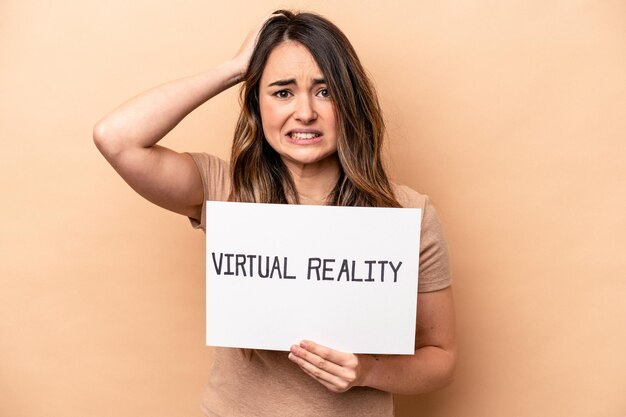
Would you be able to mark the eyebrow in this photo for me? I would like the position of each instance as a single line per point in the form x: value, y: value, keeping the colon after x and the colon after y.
x: 282, y: 83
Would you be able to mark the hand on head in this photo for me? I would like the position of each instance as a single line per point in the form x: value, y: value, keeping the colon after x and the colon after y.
x: 244, y: 54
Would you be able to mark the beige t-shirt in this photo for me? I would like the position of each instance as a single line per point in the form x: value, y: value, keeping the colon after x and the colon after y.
x: 246, y: 383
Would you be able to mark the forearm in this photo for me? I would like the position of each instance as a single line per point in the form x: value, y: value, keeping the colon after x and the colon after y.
x: 143, y: 120
x: 429, y: 369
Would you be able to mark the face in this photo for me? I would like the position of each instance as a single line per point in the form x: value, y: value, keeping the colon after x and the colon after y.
x: 296, y: 109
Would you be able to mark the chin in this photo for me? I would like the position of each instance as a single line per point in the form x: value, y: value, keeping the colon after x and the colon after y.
x: 307, y: 158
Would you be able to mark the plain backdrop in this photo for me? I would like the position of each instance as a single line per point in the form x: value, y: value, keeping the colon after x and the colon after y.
x: 511, y: 115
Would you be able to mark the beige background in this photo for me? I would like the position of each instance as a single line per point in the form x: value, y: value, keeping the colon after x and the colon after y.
x: 511, y: 115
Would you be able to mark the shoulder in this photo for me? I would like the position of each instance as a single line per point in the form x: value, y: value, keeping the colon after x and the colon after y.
x: 408, y: 197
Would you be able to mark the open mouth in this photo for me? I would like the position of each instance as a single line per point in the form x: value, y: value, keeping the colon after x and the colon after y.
x: 304, y: 136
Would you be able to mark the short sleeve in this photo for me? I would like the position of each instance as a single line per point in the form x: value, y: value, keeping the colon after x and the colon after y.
x: 215, y: 176
x: 434, y: 264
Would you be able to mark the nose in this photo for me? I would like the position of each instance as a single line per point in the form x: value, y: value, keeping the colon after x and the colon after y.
x: 304, y: 111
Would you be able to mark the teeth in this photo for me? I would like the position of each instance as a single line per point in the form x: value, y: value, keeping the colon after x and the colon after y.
x: 297, y: 135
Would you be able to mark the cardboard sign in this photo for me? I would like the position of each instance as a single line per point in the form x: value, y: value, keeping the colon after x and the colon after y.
x: 344, y: 277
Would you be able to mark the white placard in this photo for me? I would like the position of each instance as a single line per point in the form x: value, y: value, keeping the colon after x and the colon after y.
x: 344, y: 277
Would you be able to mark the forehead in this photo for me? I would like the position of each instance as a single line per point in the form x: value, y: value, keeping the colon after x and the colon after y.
x: 290, y: 60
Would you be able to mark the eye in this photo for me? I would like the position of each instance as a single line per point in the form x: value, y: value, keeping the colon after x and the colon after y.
x: 282, y: 94
x: 324, y: 93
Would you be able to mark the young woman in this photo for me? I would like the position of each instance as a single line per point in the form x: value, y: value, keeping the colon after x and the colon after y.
x: 310, y: 132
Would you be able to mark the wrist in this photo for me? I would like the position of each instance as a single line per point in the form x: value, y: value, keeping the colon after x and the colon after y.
x: 233, y: 70
x: 366, y: 363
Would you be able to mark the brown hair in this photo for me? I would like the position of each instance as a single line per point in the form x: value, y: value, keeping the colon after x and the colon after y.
x: 258, y: 173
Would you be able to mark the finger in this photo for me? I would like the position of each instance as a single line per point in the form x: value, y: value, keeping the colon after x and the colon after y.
x: 319, y: 362
x: 252, y: 38
x: 267, y: 17
x: 330, y: 381
x: 334, y: 356
x: 327, y: 384
x: 271, y: 15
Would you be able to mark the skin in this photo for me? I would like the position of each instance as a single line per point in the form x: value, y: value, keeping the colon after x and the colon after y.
x: 128, y: 137
x: 293, y: 97
x: 429, y: 369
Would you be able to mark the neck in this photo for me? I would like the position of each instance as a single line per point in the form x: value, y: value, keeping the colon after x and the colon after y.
x: 315, y: 182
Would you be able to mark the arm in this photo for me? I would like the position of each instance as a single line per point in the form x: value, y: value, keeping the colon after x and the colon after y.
x: 432, y: 365
x: 429, y: 369
x: 128, y: 136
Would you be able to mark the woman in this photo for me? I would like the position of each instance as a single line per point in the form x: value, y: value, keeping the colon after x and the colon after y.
x: 310, y: 132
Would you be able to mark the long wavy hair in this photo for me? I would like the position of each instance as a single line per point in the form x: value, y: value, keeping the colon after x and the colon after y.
x: 258, y: 173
